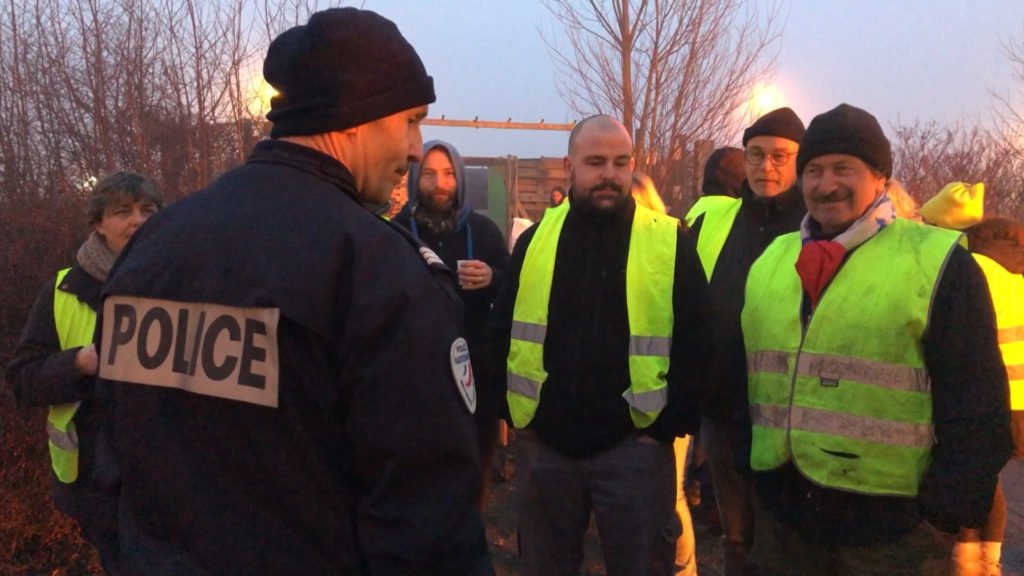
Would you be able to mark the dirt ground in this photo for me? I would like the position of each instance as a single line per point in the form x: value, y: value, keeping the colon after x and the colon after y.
x: 500, y: 520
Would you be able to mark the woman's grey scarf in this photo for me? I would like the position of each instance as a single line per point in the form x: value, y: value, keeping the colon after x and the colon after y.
x: 95, y: 258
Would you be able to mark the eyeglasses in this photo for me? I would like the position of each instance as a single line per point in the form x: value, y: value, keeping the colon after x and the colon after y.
x: 755, y: 156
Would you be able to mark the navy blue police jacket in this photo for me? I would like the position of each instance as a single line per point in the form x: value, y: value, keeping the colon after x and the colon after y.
x: 279, y: 371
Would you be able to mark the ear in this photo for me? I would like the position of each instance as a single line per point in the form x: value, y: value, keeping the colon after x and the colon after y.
x: 567, y: 164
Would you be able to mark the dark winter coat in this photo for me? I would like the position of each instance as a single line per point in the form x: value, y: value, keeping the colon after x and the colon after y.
x: 369, y: 463
x: 758, y: 222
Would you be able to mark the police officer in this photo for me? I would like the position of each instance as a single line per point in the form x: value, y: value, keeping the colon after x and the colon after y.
x: 291, y: 392
x: 55, y: 362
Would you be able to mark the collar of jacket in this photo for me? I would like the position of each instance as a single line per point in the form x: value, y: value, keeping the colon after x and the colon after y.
x: 773, y: 206
x: 306, y: 159
x: 78, y: 282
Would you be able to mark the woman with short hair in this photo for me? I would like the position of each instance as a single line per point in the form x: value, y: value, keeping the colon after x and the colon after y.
x: 55, y: 362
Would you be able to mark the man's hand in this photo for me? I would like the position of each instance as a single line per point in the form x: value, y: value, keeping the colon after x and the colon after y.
x: 86, y: 361
x: 474, y: 275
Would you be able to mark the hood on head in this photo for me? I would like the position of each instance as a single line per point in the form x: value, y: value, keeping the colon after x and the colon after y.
x: 413, y: 185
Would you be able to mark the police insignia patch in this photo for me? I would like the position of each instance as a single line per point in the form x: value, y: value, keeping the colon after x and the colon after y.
x: 429, y: 256
x: 462, y: 370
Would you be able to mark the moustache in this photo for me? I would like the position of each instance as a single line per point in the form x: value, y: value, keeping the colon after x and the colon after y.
x: 607, y: 186
x: 839, y: 195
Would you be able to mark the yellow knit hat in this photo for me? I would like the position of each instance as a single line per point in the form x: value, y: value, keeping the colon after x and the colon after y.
x: 956, y: 206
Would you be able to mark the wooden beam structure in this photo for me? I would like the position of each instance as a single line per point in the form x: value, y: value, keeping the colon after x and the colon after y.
x: 506, y: 125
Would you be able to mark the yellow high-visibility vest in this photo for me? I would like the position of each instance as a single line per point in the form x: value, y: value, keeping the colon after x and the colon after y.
x: 848, y: 398
x: 719, y: 216
x: 702, y: 204
x: 75, y: 322
x: 1007, y: 292
x: 650, y: 277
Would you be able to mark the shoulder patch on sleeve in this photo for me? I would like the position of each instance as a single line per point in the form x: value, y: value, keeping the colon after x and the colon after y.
x: 210, y: 349
x: 462, y: 370
x: 430, y: 256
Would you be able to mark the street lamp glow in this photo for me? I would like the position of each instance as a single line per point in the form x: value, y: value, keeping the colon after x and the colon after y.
x: 764, y: 98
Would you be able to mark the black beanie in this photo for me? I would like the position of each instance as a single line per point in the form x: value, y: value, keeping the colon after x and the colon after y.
x: 343, y: 68
x: 782, y: 122
x: 724, y: 172
x: 848, y: 130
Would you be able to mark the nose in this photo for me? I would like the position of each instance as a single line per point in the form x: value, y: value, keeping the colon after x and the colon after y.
x: 608, y: 171
x: 138, y: 217
x: 416, y: 144
x: 828, y: 182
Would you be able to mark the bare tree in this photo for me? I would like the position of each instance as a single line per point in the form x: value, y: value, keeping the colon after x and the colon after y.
x: 1009, y: 130
x: 158, y: 86
x: 674, y: 71
x: 928, y: 155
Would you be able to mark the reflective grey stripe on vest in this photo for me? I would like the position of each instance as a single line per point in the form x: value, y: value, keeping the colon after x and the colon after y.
x: 1015, y: 372
x: 62, y: 440
x: 649, y: 346
x: 891, y: 376
x: 652, y: 401
x: 863, y: 428
x: 528, y: 332
x: 523, y: 385
x: 772, y: 361
x: 834, y: 367
x: 1014, y: 334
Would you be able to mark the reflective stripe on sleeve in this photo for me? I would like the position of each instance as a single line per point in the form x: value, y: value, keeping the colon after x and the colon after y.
x: 649, y: 346
x: 529, y: 332
x: 523, y: 385
x: 652, y: 401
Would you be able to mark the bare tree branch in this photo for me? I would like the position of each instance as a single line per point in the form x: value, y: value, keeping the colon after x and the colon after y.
x: 673, y: 71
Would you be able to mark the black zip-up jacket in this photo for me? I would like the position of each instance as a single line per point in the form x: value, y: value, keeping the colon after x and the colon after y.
x: 582, y: 411
x: 971, y: 416
x: 368, y: 464
x: 758, y: 222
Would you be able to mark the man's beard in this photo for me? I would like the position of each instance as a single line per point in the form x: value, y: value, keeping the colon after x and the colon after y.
x: 438, y: 221
x: 586, y: 201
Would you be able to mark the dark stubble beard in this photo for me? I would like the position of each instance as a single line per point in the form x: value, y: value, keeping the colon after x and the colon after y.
x: 437, y: 221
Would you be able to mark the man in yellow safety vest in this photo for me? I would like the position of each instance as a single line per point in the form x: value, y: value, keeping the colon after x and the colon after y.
x: 602, y: 320
x: 874, y: 374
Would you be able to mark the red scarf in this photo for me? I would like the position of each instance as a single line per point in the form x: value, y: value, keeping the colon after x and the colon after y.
x: 817, y: 264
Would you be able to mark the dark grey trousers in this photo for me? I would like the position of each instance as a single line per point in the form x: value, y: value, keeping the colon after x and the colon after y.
x: 631, y: 491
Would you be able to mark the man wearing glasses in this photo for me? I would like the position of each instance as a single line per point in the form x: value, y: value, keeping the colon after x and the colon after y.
x: 729, y: 237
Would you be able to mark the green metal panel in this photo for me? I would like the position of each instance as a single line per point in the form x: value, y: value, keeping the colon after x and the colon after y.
x: 497, y: 199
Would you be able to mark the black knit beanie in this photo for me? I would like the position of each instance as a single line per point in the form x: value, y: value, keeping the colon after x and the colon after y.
x: 782, y: 122
x: 343, y: 68
x: 848, y: 130
x: 724, y: 172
